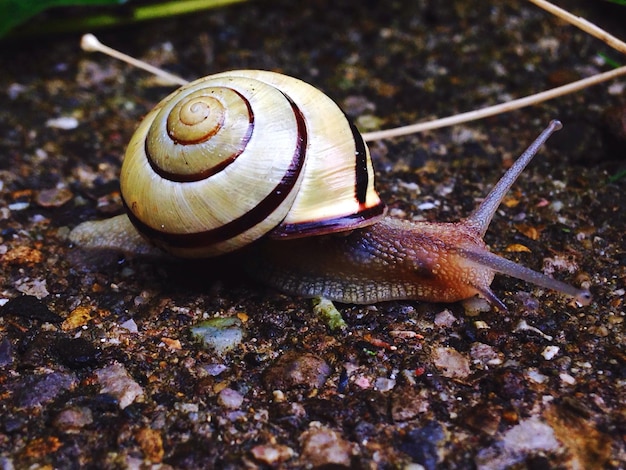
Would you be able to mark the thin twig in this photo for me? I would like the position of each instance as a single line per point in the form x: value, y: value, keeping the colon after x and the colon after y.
x: 496, y: 109
x: 91, y: 43
x: 583, y: 24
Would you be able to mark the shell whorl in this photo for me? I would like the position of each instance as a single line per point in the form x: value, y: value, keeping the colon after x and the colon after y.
x: 234, y: 156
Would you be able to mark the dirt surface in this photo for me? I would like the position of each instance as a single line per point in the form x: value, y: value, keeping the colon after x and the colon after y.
x: 99, y: 357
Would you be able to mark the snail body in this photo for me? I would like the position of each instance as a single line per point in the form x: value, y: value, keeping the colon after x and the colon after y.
x: 269, y: 167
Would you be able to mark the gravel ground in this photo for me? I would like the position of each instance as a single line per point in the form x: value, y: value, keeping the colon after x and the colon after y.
x: 102, y: 365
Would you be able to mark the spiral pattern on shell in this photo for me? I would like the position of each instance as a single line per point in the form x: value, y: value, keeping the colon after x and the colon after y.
x: 234, y: 156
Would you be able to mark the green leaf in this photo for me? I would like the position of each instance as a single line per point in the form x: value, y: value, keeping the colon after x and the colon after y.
x: 15, y: 12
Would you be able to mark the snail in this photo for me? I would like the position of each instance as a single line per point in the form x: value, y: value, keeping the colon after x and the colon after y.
x: 269, y: 167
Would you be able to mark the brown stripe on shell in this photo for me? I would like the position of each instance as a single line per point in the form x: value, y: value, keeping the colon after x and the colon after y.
x: 244, y: 222
x: 189, y: 178
x: 339, y: 224
x: 361, y: 176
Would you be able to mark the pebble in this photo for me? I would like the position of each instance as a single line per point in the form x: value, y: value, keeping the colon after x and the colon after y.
x: 76, y: 353
x: 151, y: 444
x: 536, y: 376
x: 482, y: 353
x: 475, y: 306
x: 272, y: 454
x: 72, y: 420
x: 549, y: 352
x: 294, y: 369
x: 445, y: 319
x: 324, y: 447
x: 421, y: 444
x: 214, y: 369
x: 407, y: 403
x: 55, y: 197
x: 451, y: 363
x: 383, y: 384
x: 64, y: 122
x: 19, y: 206
x: 484, y: 419
x: 6, y: 352
x: 23, y: 255
x: 35, y: 390
x: 229, y: 398
x: 29, y: 307
x: 219, y: 334
x: 78, y: 317
x: 33, y: 287
x: 116, y: 381
x: 130, y: 326
x: 529, y: 437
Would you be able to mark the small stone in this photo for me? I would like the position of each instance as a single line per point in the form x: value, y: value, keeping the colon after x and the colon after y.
x: 35, y: 390
x: 531, y: 434
x: 383, y: 384
x: 76, y: 353
x: 6, y: 352
x: 484, y: 354
x: 19, y: 206
x: 33, y: 287
x: 172, y: 343
x: 23, y: 255
x: 272, y: 454
x: 294, y: 369
x: 72, y: 420
x: 40, y: 447
x: 116, y: 381
x: 451, y: 363
x: 30, y: 307
x: 484, y: 419
x: 445, y: 319
x: 422, y: 444
x: 151, y: 444
x: 475, y: 306
x: 407, y: 403
x: 78, y: 317
x: 63, y: 122
x: 55, y: 197
x: 536, y: 376
x: 220, y: 334
x: 130, y: 325
x: 322, y: 446
x: 549, y: 352
x: 214, y: 369
x: 229, y: 398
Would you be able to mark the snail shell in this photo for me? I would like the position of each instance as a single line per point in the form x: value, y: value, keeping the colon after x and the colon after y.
x: 234, y: 156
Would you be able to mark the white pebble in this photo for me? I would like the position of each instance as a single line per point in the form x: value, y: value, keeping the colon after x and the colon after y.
x: 66, y: 123
x: 130, y: 325
x: 549, y: 352
x: 229, y: 398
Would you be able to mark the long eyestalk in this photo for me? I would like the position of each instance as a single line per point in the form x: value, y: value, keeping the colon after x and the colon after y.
x: 505, y: 266
x: 482, y: 215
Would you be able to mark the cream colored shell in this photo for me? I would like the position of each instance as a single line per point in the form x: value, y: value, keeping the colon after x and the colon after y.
x: 234, y: 156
